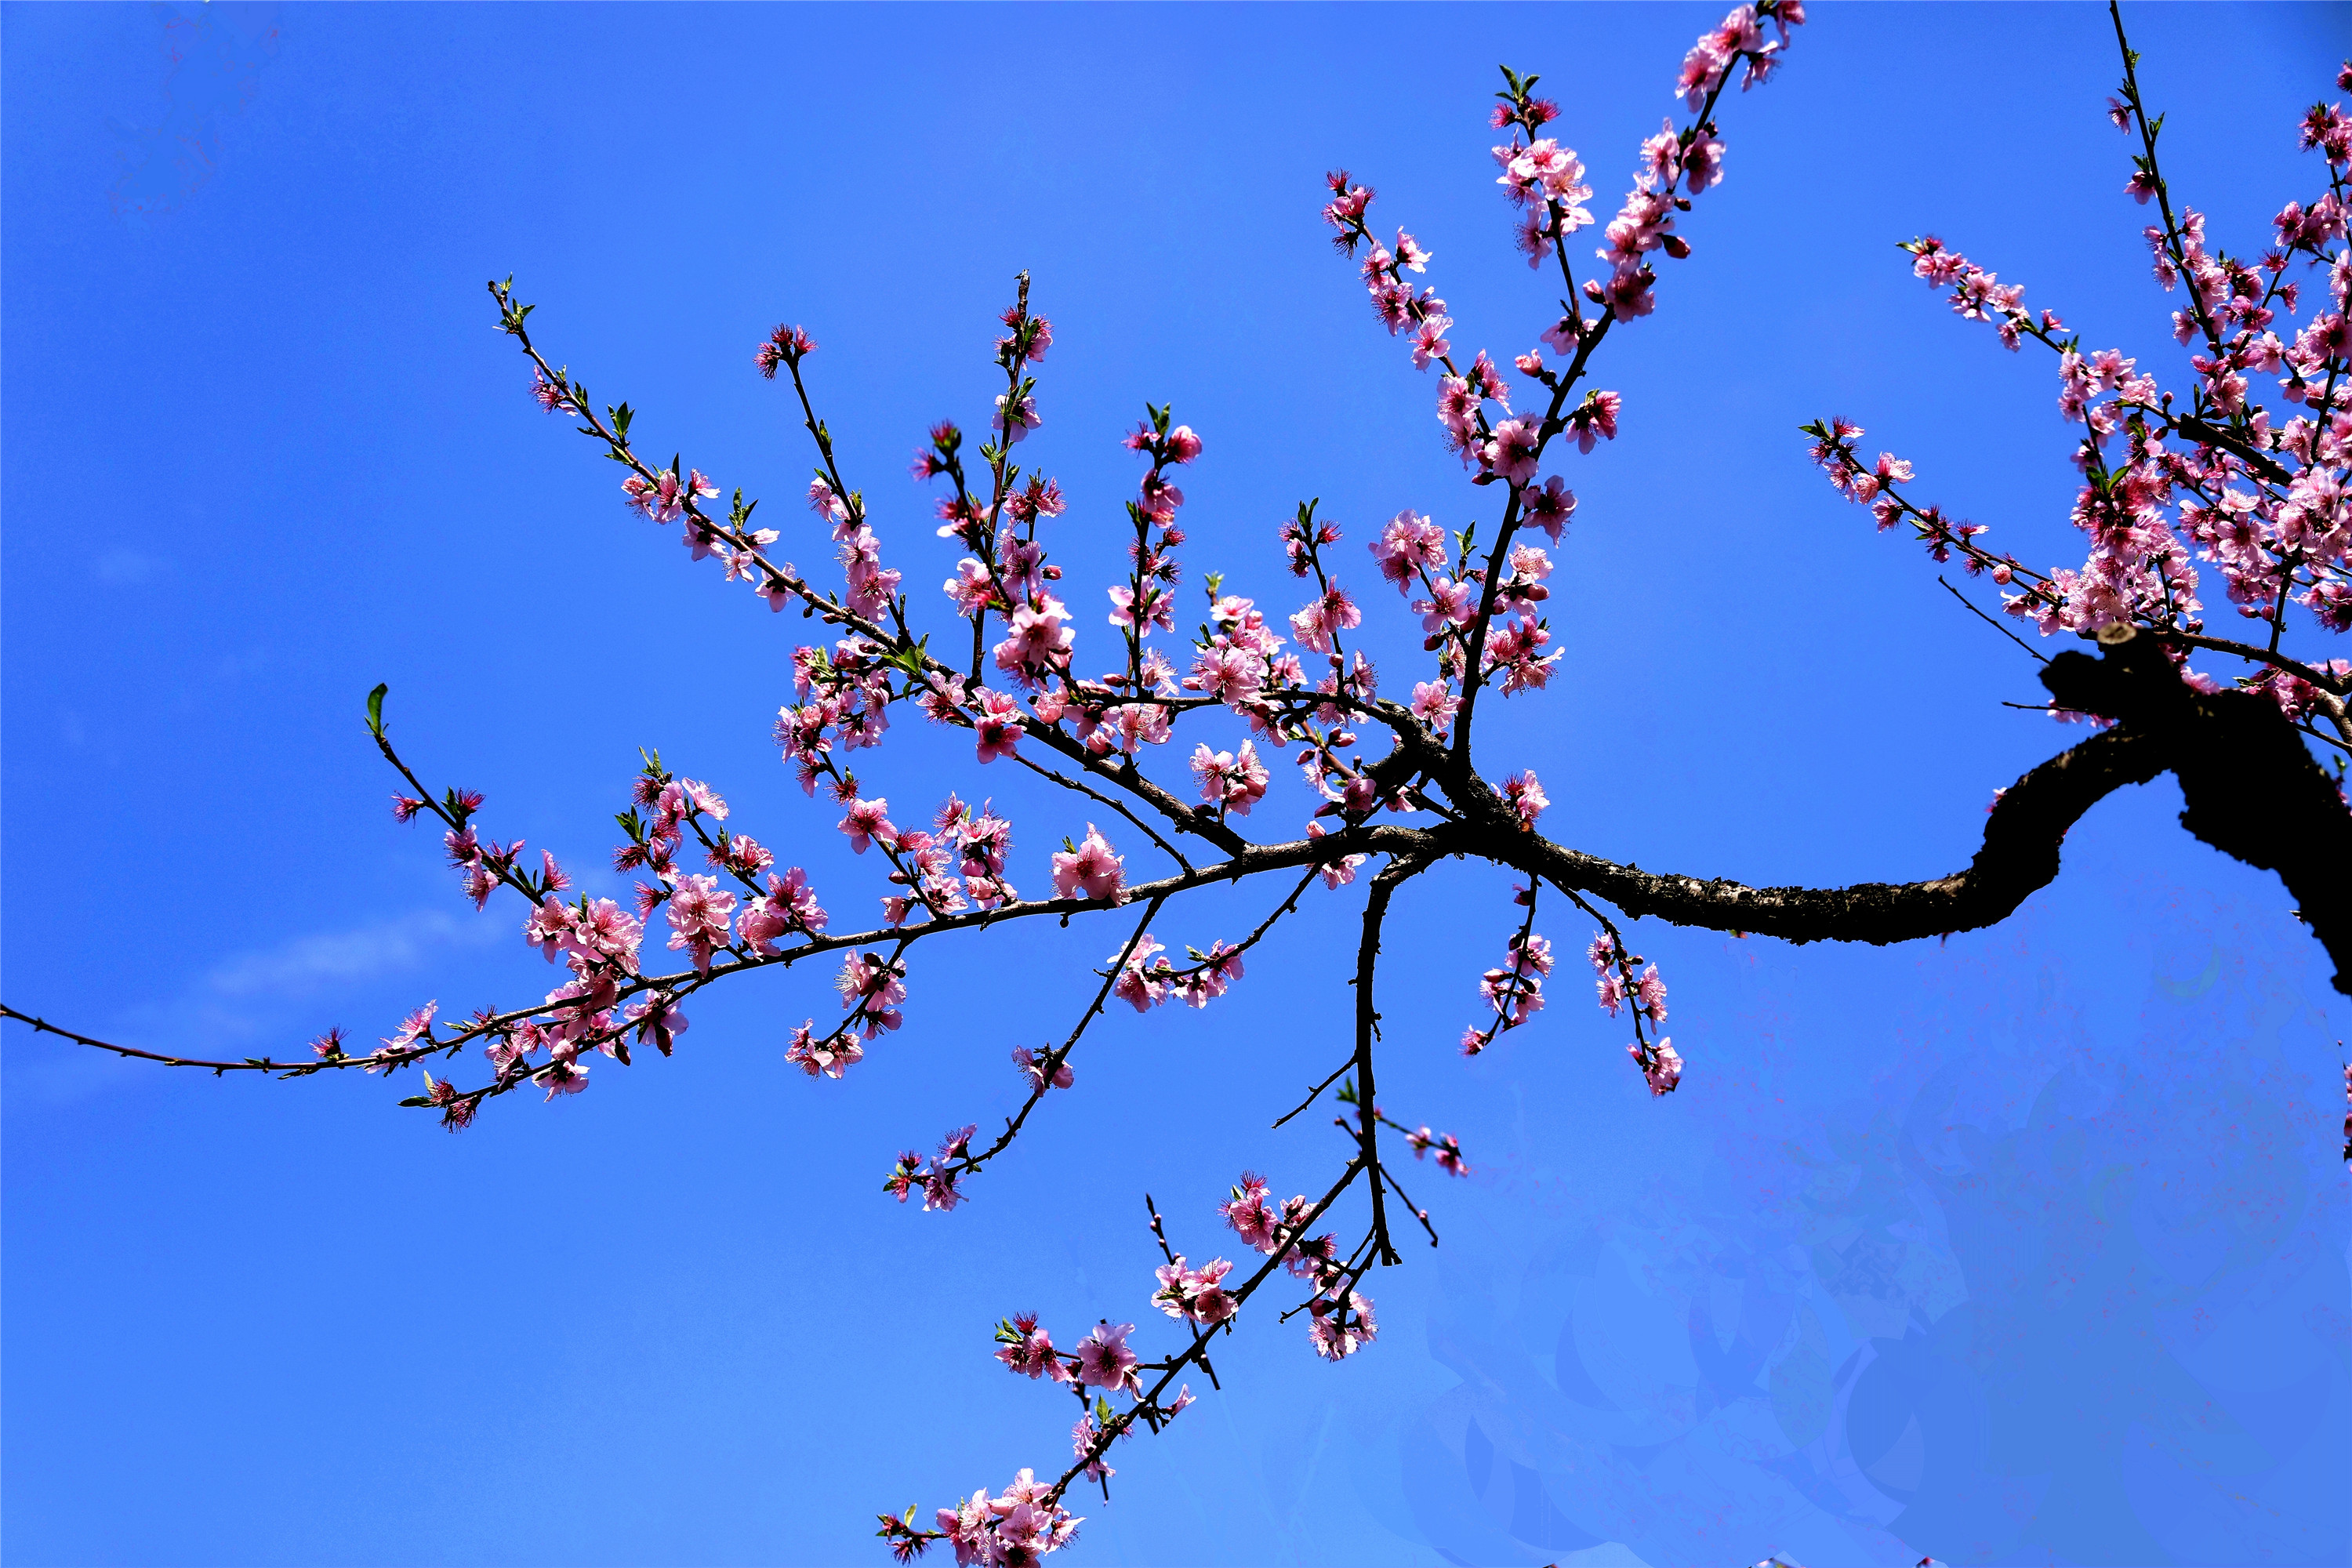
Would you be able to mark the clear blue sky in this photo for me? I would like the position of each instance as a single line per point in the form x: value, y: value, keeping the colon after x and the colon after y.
x: 2026, y: 1248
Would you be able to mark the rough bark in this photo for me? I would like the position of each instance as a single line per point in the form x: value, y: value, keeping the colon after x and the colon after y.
x: 2252, y: 789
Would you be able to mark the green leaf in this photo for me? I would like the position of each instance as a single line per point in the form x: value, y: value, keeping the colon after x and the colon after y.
x: 376, y: 709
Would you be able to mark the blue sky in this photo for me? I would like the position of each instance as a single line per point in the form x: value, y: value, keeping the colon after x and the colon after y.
x: 2025, y: 1247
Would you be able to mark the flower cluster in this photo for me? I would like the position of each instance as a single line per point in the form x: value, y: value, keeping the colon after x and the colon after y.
x: 1339, y: 1318
x: 1526, y: 797
x: 1619, y: 986
x: 1266, y: 1226
x: 1738, y: 38
x: 1449, y: 1153
x: 1018, y: 1528
x: 843, y: 704
x: 1090, y: 869
x: 935, y: 1177
x: 1146, y: 600
x: 1194, y: 1295
x: 1230, y: 781
x: 2169, y: 482
x: 1400, y: 303
x: 1515, y: 990
x: 1540, y: 177
x: 1675, y: 165
x: 1147, y: 977
x: 1340, y: 1322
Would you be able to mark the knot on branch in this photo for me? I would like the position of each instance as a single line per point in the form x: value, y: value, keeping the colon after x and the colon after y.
x: 2253, y: 790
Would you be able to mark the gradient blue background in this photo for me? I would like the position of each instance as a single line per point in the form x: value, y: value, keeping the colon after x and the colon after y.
x: 2025, y: 1247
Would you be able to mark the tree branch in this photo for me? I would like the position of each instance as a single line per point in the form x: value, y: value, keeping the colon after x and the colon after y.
x: 1368, y: 1026
x: 2020, y: 855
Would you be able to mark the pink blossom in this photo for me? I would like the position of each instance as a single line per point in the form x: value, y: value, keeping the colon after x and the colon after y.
x: 1662, y: 1066
x: 1196, y: 1295
x: 1596, y: 416
x: 1340, y: 870
x: 1138, y: 983
x: 1218, y: 969
x: 1084, y: 1435
x: 1515, y: 651
x: 866, y: 821
x: 872, y: 987
x: 1435, y: 704
x: 1340, y: 1328
x: 564, y: 1074
x: 1091, y: 870
x: 1449, y: 604
x: 788, y: 905
x: 658, y: 1021
x: 1322, y: 620
x: 1230, y: 781
x: 1025, y: 419
x: 1014, y: 1531
x: 1033, y: 1067
x: 1028, y: 1349
x: 1125, y: 727
x: 415, y: 1026
x: 1449, y: 1151
x: 825, y: 503
x: 1526, y: 797
x: 1104, y: 1361
x: 1551, y: 507
x: 1545, y: 171
x: 1510, y: 451
x: 1037, y: 640
x: 1429, y: 342
x: 698, y: 916
x: 998, y: 725
x: 1648, y: 994
x: 1458, y: 410
x: 548, y: 926
x: 785, y: 347
x: 1156, y: 608
x: 1250, y: 1216
x: 828, y: 1055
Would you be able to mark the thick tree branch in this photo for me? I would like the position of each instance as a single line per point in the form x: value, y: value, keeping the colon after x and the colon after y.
x: 2252, y: 791
x: 2020, y: 855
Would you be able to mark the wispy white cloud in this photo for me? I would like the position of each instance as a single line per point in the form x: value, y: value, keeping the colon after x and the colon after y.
x: 252, y: 1003
x: 308, y: 966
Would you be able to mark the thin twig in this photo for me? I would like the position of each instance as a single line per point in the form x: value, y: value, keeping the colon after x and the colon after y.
x: 1988, y: 620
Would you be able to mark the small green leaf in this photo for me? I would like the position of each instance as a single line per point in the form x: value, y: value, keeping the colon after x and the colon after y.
x: 376, y: 709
